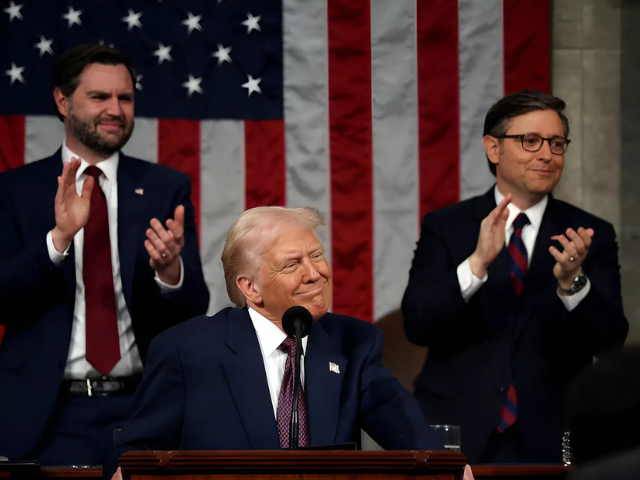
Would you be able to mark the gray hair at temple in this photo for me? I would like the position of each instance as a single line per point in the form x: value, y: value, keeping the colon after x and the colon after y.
x: 250, y: 236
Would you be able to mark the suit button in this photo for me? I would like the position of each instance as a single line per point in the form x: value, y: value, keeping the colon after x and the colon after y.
x: 501, y: 389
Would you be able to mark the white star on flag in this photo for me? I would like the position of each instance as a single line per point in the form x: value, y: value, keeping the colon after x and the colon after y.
x: 222, y: 54
x: 163, y: 53
x: 193, y: 85
x: 14, y: 11
x: 252, y: 85
x: 73, y: 16
x: 15, y: 73
x: 193, y: 22
x: 44, y: 46
x: 138, y: 84
x: 132, y: 20
x: 252, y: 22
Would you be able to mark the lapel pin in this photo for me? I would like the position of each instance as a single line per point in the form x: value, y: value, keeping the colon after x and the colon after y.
x: 335, y: 368
x: 139, y: 191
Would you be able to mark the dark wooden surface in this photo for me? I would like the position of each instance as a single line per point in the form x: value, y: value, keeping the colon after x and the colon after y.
x: 484, y: 472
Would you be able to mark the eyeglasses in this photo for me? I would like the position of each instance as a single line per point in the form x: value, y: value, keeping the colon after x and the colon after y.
x: 532, y: 142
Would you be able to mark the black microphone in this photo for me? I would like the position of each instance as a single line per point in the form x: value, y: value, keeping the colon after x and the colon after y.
x: 296, y: 322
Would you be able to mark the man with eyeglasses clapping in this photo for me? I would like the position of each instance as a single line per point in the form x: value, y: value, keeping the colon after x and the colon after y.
x: 513, y: 292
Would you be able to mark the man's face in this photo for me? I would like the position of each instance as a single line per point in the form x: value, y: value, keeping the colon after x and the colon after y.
x: 294, y: 272
x: 100, y: 112
x: 530, y: 173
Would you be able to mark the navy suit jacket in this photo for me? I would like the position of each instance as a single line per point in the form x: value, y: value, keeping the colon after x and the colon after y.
x: 477, y: 349
x: 205, y: 388
x: 37, y: 297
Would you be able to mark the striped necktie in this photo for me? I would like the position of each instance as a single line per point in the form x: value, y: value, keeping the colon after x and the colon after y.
x: 518, y: 253
x: 519, y: 266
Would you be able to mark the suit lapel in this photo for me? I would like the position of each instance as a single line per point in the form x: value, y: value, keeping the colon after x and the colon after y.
x: 323, y: 386
x: 245, y: 375
x: 132, y: 220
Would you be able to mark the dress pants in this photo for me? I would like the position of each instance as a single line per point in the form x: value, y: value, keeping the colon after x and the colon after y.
x: 82, y: 429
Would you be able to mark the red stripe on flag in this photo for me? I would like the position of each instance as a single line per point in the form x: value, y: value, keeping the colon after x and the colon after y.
x: 179, y: 147
x: 265, y: 175
x: 438, y: 104
x: 527, y: 48
x: 12, y: 132
x: 350, y: 142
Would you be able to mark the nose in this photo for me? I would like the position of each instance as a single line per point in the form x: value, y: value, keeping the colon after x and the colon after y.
x: 310, y: 274
x: 113, y: 107
x: 545, y: 151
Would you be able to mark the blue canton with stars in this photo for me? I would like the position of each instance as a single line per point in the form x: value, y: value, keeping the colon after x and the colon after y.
x: 195, y: 59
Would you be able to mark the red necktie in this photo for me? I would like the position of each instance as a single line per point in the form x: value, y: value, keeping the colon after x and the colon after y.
x: 518, y: 253
x: 103, y: 343
x: 285, y: 400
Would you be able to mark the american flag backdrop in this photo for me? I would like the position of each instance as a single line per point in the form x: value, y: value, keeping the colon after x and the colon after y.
x: 369, y: 110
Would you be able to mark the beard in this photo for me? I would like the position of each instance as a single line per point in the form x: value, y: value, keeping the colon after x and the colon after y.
x: 104, y: 144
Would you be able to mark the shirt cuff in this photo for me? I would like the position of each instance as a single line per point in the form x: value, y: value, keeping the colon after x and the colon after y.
x: 469, y: 283
x: 572, y: 301
x: 55, y: 256
x: 165, y: 287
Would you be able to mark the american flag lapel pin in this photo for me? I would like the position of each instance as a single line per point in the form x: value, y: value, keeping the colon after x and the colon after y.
x: 334, y: 367
x: 139, y: 191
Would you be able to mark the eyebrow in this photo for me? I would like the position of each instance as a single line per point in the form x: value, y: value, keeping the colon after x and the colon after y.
x: 107, y: 94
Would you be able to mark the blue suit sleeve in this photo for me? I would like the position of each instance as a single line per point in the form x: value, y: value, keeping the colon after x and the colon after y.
x: 156, y: 416
x: 390, y: 414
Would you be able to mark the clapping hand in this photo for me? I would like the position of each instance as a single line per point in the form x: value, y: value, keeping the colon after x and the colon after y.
x: 71, y: 209
x: 491, y: 238
x: 164, y: 246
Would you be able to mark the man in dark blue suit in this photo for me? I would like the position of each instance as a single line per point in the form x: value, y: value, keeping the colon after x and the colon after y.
x: 88, y: 272
x: 513, y: 292
x: 221, y: 382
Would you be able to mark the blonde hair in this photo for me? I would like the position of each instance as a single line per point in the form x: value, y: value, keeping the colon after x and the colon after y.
x: 246, y: 241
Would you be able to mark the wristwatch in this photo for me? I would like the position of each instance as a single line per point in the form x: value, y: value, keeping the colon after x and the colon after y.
x: 578, y: 284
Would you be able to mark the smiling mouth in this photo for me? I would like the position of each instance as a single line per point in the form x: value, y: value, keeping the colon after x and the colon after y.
x: 315, y: 291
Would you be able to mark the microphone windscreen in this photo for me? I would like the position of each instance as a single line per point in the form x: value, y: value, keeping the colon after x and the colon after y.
x: 297, y: 318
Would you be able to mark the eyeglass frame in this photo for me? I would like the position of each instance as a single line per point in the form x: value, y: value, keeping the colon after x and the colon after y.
x: 521, y: 137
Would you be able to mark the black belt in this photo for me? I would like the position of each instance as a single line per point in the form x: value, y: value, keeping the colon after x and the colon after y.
x: 103, y: 386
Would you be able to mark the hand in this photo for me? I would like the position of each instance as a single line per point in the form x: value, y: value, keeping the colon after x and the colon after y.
x: 71, y: 209
x: 164, y: 246
x: 117, y: 475
x: 569, y: 262
x: 491, y: 238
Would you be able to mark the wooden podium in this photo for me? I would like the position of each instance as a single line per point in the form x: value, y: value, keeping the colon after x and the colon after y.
x: 298, y: 464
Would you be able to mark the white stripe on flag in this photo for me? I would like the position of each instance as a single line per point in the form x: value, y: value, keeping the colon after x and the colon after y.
x: 306, y: 109
x: 222, y: 181
x: 395, y: 148
x: 43, y: 136
x: 144, y: 141
x: 481, y: 85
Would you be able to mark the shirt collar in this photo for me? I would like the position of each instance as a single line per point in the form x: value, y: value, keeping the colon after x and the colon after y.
x: 109, y: 166
x: 269, y: 335
x: 534, y: 213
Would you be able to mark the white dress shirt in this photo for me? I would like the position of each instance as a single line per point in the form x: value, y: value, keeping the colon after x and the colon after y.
x: 470, y: 284
x: 130, y: 363
x: 270, y: 337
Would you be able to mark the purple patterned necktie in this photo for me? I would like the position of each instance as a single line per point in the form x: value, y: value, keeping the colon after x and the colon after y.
x: 285, y: 401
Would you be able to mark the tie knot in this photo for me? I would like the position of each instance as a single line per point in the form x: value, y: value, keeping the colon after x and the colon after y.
x: 520, y: 221
x: 93, y: 171
x: 288, y: 346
